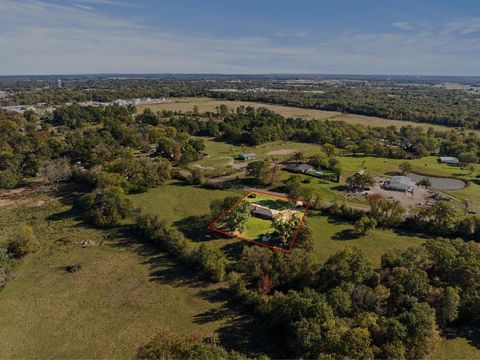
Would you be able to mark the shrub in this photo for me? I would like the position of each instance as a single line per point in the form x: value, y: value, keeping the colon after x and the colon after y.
x: 166, y: 345
x: 8, y: 179
x: 24, y: 242
x: 105, y: 207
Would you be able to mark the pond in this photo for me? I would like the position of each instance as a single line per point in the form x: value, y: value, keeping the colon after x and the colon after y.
x: 439, y: 183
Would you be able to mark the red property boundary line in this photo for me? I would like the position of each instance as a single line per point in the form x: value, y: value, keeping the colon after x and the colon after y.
x: 211, y: 226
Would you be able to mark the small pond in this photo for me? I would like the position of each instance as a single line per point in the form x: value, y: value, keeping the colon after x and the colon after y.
x: 439, y: 183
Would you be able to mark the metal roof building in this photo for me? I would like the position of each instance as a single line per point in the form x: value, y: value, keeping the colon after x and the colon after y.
x: 400, y: 183
x: 449, y: 160
x: 248, y: 156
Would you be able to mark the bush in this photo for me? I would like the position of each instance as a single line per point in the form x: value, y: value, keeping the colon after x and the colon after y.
x: 25, y: 242
x: 166, y: 345
x: 212, y: 260
x: 105, y: 207
x: 196, y: 177
x: 8, y: 179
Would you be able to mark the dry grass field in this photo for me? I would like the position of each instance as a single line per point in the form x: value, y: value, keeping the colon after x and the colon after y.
x: 207, y: 104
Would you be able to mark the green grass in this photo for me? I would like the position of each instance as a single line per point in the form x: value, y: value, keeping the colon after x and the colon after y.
x: 329, y: 236
x: 255, y: 227
x: 332, y: 236
x: 464, y: 343
x: 177, y: 201
x: 119, y: 299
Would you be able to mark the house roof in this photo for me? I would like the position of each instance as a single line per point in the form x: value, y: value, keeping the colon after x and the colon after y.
x: 263, y: 210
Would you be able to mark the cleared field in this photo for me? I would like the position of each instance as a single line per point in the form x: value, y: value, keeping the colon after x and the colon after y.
x: 122, y: 296
x: 207, y: 104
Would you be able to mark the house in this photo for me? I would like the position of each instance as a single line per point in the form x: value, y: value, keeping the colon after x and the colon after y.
x: 300, y: 168
x: 248, y: 156
x: 400, y: 183
x: 449, y: 160
x: 263, y: 211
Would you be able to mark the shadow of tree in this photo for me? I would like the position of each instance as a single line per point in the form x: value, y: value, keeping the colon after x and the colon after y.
x: 241, y: 331
x: 470, y: 333
x: 347, y: 234
x: 196, y: 228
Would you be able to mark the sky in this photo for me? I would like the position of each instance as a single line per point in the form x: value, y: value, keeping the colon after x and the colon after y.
x: 415, y: 37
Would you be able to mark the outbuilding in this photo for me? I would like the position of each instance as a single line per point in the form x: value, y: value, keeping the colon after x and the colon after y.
x: 400, y: 183
x: 450, y: 160
x: 248, y: 156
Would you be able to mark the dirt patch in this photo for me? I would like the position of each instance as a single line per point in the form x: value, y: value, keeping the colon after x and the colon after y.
x: 420, y: 195
x: 281, y: 152
x: 7, y: 202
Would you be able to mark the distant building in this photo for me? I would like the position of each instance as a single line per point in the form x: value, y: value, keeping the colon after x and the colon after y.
x: 248, y: 156
x: 449, y: 160
x: 400, y: 183
x: 300, y: 168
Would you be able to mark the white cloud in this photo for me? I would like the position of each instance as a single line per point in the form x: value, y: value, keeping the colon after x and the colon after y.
x: 42, y: 38
x: 402, y: 25
x: 85, y: 7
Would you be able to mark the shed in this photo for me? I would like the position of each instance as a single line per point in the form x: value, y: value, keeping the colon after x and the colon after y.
x: 248, y: 156
x: 400, y: 183
x: 449, y: 160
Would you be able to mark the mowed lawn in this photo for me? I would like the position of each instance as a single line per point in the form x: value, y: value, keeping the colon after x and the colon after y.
x: 123, y: 294
x: 206, y: 104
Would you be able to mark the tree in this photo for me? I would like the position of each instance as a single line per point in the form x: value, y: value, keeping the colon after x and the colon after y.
x: 264, y: 172
x: 148, y: 117
x: 359, y: 181
x: 212, y: 260
x: 166, y: 345
x: 329, y: 149
x: 298, y: 156
x: 219, y: 206
x: 365, y: 225
x: 196, y: 177
x: 405, y: 167
x: 56, y: 171
x: 236, y: 218
x: 447, y: 309
x: 304, y: 238
x: 9, y: 179
x: 468, y: 158
x: 106, y: 207
x: 286, y: 225
x: 24, y: 242
x: 426, y: 183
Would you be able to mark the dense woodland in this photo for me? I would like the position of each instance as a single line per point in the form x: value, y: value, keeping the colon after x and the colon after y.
x: 403, y: 100
x: 343, y: 308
